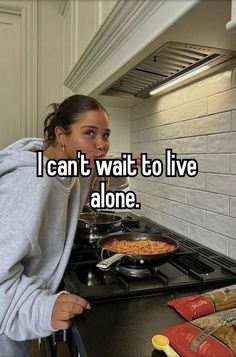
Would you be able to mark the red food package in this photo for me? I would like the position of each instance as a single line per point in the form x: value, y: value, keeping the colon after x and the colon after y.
x: 210, y: 336
x: 192, y: 307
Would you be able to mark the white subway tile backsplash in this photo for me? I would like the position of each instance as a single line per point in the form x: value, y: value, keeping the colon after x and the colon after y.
x: 222, y: 102
x: 190, y: 110
x: 197, y: 182
x: 210, y: 239
x: 157, y: 147
x: 190, y: 145
x: 171, y: 131
x: 221, y: 224
x: 225, y: 184
x: 172, y: 193
x: 209, y: 201
x: 135, y: 137
x: 164, y: 117
x: 149, y: 107
x: 233, y: 164
x: 217, y: 123
x: 189, y: 214
x: 172, y: 223
x: 157, y: 203
x: 232, y: 248
x: 197, y: 122
x: 136, y: 149
x: 138, y: 124
x: 233, y: 120
x: 204, y: 88
x: 150, y: 213
x: 134, y: 184
x: 210, y: 85
x: 215, y: 163
x: 160, y: 179
x: 233, y: 207
x: 225, y: 143
x: 149, y: 134
x: 150, y: 121
x: 161, y: 190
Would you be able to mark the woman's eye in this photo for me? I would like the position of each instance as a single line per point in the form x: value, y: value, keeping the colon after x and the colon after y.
x: 90, y: 133
x: 106, y: 135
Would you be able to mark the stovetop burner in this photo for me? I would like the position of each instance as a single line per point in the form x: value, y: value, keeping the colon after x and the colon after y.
x: 134, y: 271
x: 194, y: 265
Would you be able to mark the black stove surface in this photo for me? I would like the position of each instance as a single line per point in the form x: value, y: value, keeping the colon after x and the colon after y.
x: 194, y: 265
x: 127, y: 311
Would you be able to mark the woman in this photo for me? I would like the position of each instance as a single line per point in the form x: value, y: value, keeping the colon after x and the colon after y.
x: 38, y: 219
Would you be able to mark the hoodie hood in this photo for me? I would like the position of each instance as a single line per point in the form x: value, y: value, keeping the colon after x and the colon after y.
x: 22, y: 153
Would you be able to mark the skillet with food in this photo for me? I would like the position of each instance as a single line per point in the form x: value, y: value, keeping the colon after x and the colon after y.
x: 137, y: 249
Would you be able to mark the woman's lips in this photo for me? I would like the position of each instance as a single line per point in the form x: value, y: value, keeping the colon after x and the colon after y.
x: 99, y: 157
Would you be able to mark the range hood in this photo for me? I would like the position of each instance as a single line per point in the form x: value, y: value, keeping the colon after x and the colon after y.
x: 144, y: 43
x: 173, y: 60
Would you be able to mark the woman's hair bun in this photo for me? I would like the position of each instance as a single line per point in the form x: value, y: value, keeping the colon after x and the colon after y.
x: 50, y: 123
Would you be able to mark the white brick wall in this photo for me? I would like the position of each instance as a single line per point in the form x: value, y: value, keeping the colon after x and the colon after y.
x: 233, y: 206
x: 233, y: 164
x: 197, y: 121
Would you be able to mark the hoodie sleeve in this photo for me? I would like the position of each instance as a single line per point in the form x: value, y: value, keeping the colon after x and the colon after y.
x: 25, y: 302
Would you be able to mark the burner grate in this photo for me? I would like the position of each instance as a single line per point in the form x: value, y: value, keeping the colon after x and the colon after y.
x: 206, y: 252
x: 226, y: 262
x: 195, y: 266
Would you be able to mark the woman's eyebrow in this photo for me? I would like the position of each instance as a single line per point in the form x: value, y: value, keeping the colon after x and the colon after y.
x: 89, y: 126
x: 93, y: 127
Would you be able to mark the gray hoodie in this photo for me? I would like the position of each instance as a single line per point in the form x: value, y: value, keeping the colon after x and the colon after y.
x: 38, y: 219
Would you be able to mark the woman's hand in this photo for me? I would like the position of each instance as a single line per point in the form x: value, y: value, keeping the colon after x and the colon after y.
x: 65, y: 308
x: 138, y: 160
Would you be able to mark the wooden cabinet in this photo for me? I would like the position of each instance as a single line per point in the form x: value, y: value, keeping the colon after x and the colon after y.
x: 18, y: 70
x: 81, y: 20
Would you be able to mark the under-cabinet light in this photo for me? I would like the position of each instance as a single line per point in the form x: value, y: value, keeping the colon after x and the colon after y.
x: 180, y: 79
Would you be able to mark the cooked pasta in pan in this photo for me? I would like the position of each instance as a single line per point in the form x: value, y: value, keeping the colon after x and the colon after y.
x: 139, y: 247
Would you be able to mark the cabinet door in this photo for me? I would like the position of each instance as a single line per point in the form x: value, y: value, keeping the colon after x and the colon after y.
x: 10, y: 74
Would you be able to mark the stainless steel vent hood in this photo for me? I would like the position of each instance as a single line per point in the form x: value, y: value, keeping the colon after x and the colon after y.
x: 146, y: 43
x: 173, y: 60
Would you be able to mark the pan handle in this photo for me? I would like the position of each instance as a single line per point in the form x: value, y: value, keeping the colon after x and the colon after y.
x: 85, y: 222
x: 105, y: 264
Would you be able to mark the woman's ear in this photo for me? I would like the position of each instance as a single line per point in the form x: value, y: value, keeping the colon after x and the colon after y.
x: 60, y: 136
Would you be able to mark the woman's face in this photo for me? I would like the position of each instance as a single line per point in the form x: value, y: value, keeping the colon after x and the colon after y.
x: 89, y: 134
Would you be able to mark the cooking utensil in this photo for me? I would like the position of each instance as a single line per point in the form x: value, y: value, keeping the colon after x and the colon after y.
x: 99, y: 218
x: 161, y: 343
x: 93, y: 225
x: 208, y: 331
x: 135, y: 259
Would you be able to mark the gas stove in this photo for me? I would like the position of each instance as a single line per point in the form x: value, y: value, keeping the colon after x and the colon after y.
x: 193, y: 266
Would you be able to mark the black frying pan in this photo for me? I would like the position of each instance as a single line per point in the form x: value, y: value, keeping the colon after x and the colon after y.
x: 136, y: 260
x: 96, y: 224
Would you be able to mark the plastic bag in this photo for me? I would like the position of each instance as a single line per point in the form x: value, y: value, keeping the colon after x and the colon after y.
x: 210, y: 336
x: 192, y: 307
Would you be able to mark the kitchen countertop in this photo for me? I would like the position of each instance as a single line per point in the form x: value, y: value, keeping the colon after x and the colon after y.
x: 125, y: 328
